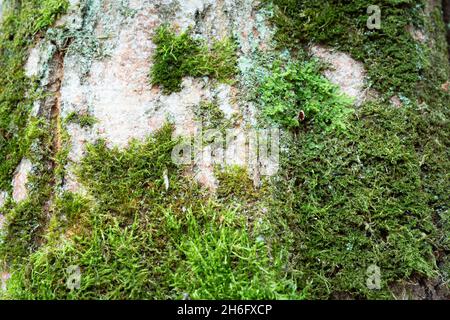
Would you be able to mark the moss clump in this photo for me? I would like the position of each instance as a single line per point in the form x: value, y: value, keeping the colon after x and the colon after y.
x: 394, y: 60
x: 295, y: 92
x: 179, y: 56
x: 137, y: 240
x: 214, y: 122
x: 26, y: 221
x: 85, y: 120
x: 374, y: 196
x: 235, y: 184
x: 210, y: 115
x: 19, y: 26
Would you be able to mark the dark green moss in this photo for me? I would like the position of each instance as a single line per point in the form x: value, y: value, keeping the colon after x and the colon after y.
x: 235, y: 184
x: 376, y: 194
x: 395, y: 62
x: 357, y: 200
x: 27, y: 220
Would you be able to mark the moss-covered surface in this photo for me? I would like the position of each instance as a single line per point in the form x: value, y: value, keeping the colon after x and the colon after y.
x: 395, y: 61
x: 134, y: 239
x: 365, y: 198
x: 355, y: 189
x: 376, y: 194
x: 24, y: 135
x: 294, y: 94
x: 83, y: 119
x: 19, y: 27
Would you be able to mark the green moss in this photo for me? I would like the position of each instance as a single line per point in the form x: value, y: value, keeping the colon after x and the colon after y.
x: 226, y: 262
x: 363, y: 198
x: 211, y: 117
x: 235, y: 184
x: 83, y: 119
x: 26, y: 221
x: 17, y: 93
x: 293, y: 94
x: 377, y: 194
x: 136, y: 240
x: 179, y: 56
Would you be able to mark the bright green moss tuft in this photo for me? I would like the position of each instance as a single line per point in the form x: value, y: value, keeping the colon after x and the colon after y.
x: 179, y: 56
x: 293, y: 94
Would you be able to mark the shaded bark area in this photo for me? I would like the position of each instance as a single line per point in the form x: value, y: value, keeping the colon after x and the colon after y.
x: 50, y: 109
x: 446, y: 11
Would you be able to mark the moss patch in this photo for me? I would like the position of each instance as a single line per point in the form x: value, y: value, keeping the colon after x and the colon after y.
x: 374, y: 196
x: 85, y: 120
x: 359, y: 199
x: 294, y: 94
x: 179, y: 56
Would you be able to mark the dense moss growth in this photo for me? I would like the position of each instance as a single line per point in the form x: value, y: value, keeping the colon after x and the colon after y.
x: 21, y: 22
x: 136, y: 239
x: 27, y: 220
x: 356, y: 188
x: 360, y: 199
x: 179, y: 56
x: 23, y: 135
x: 84, y: 119
x: 375, y: 195
x: 394, y: 60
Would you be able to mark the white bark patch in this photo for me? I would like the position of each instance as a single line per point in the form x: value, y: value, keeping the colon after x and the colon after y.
x: 2, y: 222
x: 4, y: 277
x: 3, y: 197
x: 1, y: 10
x: 345, y: 72
x: 417, y: 34
x: 166, y: 180
x: 20, y: 180
x: 32, y: 66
